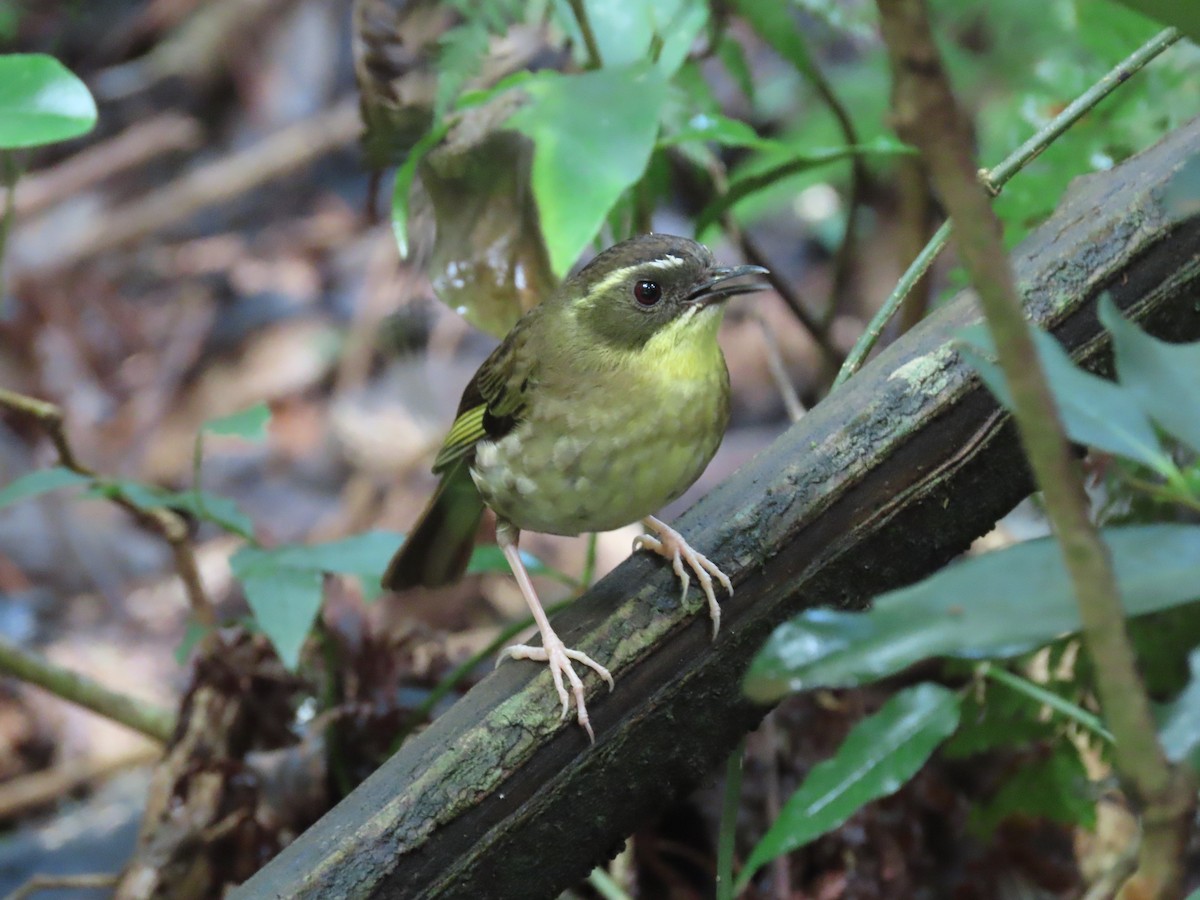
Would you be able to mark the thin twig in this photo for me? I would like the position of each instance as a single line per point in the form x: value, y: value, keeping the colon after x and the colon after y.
x: 843, y: 259
x: 916, y: 270
x: 996, y: 178
x: 8, y: 178
x: 791, y: 401
x: 928, y: 116
x: 83, y: 691
x: 784, y: 289
x: 166, y: 522
x: 589, y: 37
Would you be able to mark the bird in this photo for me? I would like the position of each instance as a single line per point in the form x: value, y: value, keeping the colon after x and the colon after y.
x: 603, y: 403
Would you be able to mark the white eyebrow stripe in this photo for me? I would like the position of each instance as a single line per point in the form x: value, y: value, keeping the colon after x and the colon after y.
x: 662, y: 264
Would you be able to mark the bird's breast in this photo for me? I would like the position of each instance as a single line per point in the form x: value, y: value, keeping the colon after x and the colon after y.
x: 594, y: 457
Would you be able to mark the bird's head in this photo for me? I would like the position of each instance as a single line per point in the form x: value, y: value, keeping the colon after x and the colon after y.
x: 655, y: 288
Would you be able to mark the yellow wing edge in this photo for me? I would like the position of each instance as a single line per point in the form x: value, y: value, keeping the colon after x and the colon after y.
x: 464, y: 433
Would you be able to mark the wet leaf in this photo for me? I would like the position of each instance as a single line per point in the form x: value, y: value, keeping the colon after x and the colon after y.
x: 877, y: 758
x: 996, y: 605
x: 1094, y: 411
x: 1162, y: 378
x: 588, y: 148
x: 41, y: 101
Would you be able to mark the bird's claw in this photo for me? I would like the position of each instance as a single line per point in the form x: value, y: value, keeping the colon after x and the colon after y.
x: 558, y: 656
x: 671, y: 545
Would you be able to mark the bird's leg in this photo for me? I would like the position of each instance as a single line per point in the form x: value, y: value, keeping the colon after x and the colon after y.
x: 552, y: 651
x: 670, y: 544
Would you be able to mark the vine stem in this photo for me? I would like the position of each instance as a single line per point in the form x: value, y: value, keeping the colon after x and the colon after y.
x: 151, y: 721
x: 995, y: 179
x: 589, y: 36
x: 928, y: 116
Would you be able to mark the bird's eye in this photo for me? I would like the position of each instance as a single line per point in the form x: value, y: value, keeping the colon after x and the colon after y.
x: 647, y: 293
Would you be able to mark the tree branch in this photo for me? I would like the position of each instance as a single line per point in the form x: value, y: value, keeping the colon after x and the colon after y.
x: 875, y: 487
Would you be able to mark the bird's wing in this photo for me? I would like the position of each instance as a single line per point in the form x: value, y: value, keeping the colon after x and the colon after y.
x: 492, y: 403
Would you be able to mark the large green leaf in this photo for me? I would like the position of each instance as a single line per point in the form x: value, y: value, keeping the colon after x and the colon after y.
x: 593, y: 134
x: 38, y: 482
x: 1094, y: 411
x: 41, y: 102
x: 877, y: 758
x: 1163, y: 378
x: 996, y: 605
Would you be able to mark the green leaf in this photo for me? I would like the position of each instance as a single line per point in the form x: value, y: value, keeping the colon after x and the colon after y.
x: 1181, y: 14
x: 250, y: 424
x: 877, y: 758
x: 1164, y: 379
x: 752, y: 180
x: 720, y: 130
x: 365, y: 554
x: 403, y: 184
x: 221, y: 511
x: 592, y: 134
x: 41, y: 102
x: 41, y: 481
x: 1179, y: 721
x: 285, y: 599
x: 1094, y: 411
x: 996, y: 605
x: 1056, y: 787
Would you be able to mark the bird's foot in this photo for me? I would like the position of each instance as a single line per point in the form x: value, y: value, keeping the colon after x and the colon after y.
x: 671, y: 545
x: 559, y: 656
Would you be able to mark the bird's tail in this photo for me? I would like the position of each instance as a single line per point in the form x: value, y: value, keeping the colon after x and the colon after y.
x: 438, y: 548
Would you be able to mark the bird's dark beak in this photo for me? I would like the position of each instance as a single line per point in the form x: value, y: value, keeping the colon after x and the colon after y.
x: 724, y: 282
